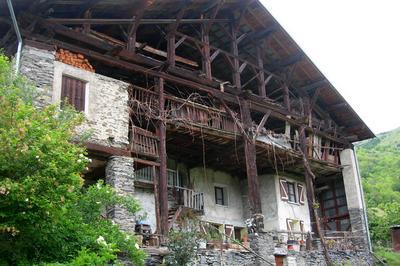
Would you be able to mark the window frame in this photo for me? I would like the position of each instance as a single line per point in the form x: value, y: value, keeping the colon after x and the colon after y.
x: 84, y: 103
x: 293, y: 185
x: 224, y: 193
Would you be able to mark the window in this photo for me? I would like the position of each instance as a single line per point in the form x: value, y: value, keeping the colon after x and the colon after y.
x: 73, y: 90
x: 291, y: 192
x: 220, y: 196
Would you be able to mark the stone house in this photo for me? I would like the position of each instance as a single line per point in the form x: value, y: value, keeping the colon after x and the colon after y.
x: 207, y: 106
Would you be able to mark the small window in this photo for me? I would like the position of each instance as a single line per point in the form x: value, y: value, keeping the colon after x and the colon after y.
x: 291, y: 192
x: 220, y: 196
x: 73, y: 90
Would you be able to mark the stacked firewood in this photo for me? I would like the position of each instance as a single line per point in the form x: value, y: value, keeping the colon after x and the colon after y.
x: 76, y: 60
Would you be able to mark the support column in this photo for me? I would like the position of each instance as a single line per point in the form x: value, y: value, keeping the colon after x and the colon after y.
x: 261, y: 77
x: 120, y: 175
x: 354, y: 197
x: 251, y: 165
x: 206, y: 52
x: 162, y: 182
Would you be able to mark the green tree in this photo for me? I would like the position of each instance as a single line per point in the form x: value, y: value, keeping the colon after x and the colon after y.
x: 46, y: 216
x: 380, y: 169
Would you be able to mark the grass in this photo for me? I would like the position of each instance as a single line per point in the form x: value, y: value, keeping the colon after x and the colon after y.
x: 391, y: 258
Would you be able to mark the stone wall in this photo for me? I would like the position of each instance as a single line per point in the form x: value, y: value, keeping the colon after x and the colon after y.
x: 120, y: 175
x: 106, y: 106
x: 224, y: 257
x: 38, y: 66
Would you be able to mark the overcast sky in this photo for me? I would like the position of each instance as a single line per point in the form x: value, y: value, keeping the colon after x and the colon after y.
x: 356, y: 44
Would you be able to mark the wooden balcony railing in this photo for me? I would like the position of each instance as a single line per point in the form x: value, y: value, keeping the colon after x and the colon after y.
x: 190, y: 113
x: 187, y: 112
x: 144, y: 142
x: 190, y: 199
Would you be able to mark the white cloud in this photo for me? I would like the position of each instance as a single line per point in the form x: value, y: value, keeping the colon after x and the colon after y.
x: 356, y: 44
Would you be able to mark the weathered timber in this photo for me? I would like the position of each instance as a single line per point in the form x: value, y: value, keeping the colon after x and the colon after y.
x: 183, y: 78
x: 310, y: 190
x: 107, y: 151
x: 96, y: 21
x: 163, y: 182
x: 250, y: 155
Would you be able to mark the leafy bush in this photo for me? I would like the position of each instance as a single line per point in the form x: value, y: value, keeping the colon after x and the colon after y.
x: 183, y: 241
x: 46, y: 216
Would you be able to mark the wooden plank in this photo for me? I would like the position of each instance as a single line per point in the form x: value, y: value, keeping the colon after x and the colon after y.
x: 107, y: 151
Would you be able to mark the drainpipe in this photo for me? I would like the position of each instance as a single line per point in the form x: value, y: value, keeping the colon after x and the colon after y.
x: 362, y: 199
x: 16, y: 29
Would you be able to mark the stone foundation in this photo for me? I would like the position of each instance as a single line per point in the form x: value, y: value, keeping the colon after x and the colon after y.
x: 357, y: 221
x: 120, y: 175
x: 224, y: 257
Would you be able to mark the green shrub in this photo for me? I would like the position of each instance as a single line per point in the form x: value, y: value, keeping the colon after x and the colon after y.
x: 46, y: 216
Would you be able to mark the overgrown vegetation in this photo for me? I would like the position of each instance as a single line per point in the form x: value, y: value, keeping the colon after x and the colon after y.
x: 46, y: 216
x: 183, y: 241
x: 379, y: 160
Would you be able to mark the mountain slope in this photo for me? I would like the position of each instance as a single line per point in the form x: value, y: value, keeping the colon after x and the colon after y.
x: 379, y: 160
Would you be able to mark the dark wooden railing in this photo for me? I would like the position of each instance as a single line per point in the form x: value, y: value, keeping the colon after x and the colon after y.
x: 187, y: 112
x: 144, y: 142
x: 190, y: 113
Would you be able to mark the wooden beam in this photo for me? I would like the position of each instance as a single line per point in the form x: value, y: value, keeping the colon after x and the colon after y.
x: 236, y: 62
x: 172, y: 31
x: 286, y: 97
x: 131, y: 45
x: 180, y: 77
x: 85, y: 7
x: 206, y: 58
x: 163, y: 177
x: 313, y: 85
x: 129, y: 21
x: 250, y: 155
x: 261, y: 76
x: 291, y: 60
x: 107, y: 151
x: 262, y: 123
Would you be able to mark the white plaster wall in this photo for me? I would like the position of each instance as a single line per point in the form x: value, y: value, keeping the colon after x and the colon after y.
x: 269, y: 202
x: 231, y: 214
x: 293, y: 211
x: 106, y: 107
x: 350, y: 179
x: 147, y: 202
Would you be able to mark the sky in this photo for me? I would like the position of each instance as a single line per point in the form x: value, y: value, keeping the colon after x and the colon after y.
x: 356, y: 45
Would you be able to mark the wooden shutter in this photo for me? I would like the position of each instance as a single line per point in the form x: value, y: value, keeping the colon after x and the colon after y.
x: 300, y: 192
x: 284, y: 189
x: 74, y: 91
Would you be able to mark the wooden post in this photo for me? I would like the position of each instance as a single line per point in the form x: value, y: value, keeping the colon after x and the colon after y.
x: 206, y: 51
x: 171, y: 49
x: 162, y: 183
x: 261, y: 77
x: 236, y: 63
x: 250, y: 155
x: 156, y: 199
x: 312, y: 204
x: 286, y: 97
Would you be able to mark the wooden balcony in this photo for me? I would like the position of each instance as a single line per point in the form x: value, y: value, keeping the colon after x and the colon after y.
x: 184, y: 112
x: 189, y: 115
x: 144, y: 142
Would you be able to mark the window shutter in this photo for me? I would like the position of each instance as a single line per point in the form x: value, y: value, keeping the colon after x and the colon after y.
x: 283, y: 189
x: 74, y: 90
x: 300, y: 190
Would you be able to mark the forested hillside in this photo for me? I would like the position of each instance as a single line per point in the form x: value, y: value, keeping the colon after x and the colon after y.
x: 379, y: 160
